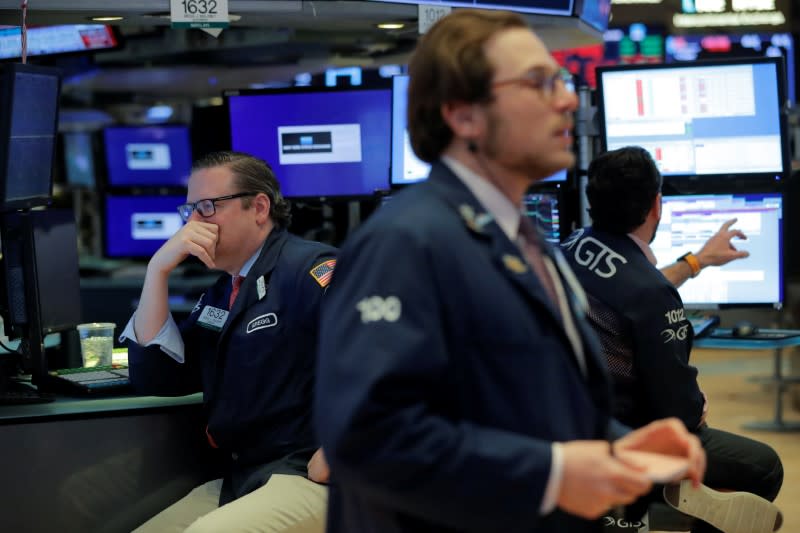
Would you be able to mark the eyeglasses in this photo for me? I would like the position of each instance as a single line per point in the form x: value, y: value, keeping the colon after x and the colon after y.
x: 207, y: 206
x: 536, y: 79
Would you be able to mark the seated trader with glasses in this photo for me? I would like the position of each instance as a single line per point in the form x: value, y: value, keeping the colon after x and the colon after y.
x: 249, y: 345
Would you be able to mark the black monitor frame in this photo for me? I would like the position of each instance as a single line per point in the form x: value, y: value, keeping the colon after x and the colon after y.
x: 687, y: 183
x: 382, y: 85
x: 41, y: 289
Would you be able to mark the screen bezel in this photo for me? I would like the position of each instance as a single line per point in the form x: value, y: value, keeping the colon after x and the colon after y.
x: 691, y: 182
x: 382, y: 85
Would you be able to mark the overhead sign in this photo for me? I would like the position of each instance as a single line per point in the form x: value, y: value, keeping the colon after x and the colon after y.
x: 430, y: 15
x: 201, y: 14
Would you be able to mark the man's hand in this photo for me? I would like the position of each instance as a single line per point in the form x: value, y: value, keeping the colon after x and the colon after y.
x: 669, y: 437
x: 194, y: 238
x: 594, y: 481
x: 318, y: 470
x: 718, y: 250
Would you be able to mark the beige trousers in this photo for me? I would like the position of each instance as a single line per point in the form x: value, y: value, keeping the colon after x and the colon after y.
x: 286, y: 504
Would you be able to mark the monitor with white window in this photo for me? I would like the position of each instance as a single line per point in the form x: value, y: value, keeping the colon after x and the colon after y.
x: 688, y: 221
x: 713, y: 122
x: 407, y: 168
x: 321, y: 142
x: 137, y: 225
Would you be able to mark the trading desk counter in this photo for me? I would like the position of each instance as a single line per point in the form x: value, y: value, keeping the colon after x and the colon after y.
x: 777, y: 378
x: 100, y: 465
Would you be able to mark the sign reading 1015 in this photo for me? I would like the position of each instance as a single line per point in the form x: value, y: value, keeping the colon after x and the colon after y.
x: 199, y: 13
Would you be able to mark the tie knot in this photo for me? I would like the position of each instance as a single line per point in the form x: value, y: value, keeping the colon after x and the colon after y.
x: 237, y: 282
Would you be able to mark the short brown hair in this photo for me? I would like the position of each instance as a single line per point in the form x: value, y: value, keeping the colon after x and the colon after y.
x: 252, y: 175
x: 450, y: 64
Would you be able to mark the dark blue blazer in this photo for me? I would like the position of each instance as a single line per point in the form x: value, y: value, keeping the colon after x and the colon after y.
x: 445, y: 374
x: 257, y: 372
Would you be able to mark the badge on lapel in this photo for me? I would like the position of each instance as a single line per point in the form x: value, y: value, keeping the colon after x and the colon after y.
x: 515, y: 264
x: 475, y: 222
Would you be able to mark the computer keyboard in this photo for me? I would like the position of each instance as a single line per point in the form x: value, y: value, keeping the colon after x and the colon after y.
x: 90, y: 380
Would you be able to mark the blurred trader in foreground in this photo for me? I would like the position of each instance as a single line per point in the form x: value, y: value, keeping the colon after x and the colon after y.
x: 647, y: 339
x: 459, y: 387
x: 249, y: 345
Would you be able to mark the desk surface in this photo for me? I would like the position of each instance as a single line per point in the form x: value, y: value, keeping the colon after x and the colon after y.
x: 67, y: 406
x: 744, y: 343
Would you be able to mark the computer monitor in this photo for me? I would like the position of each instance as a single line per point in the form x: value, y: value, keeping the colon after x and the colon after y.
x: 407, y: 168
x: 61, y: 39
x: 688, y: 48
x: 41, y: 282
x: 158, y: 156
x: 79, y: 159
x: 543, y: 208
x: 688, y: 221
x: 137, y: 226
x: 321, y: 142
x: 713, y: 121
x: 28, y: 123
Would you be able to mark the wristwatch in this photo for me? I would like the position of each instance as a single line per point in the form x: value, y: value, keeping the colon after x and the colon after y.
x: 692, y: 261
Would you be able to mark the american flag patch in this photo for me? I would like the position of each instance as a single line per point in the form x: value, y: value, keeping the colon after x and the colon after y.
x: 323, y: 272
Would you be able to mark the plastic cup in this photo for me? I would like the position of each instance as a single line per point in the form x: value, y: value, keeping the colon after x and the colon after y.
x: 97, y: 343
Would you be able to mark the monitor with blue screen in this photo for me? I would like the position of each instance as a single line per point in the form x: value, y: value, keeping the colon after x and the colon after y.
x: 688, y: 221
x: 407, y: 168
x: 136, y: 226
x: 155, y: 156
x: 320, y: 142
x: 715, y: 119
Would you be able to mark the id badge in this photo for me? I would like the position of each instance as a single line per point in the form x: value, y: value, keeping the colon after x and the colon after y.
x: 212, y: 318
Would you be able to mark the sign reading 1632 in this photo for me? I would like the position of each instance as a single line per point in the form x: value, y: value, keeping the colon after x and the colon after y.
x: 199, y: 13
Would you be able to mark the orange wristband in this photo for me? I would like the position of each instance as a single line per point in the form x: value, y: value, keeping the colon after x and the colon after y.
x: 692, y: 261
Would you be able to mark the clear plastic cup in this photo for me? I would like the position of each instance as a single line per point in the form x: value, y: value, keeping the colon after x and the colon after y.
x: 97, y: 343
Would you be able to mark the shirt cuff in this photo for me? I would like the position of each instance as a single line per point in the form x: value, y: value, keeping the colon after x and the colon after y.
x: 553, y: 487
x: 168, y: 338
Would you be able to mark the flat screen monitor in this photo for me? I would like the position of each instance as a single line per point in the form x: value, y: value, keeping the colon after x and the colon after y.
x: 321, y: 142
x: 406, y: 167
x: 79, y: 159
x: 158, y: 156
x: 28, y: 123
x: 687, y: 48
x: 41, y: 278
x: 688, y: 221
x: 717, y: 119
x: 62, y: 39
x: 137, y: 226
x: 543, y: 208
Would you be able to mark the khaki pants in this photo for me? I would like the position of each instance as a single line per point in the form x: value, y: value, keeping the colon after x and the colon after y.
x: 287, y: 504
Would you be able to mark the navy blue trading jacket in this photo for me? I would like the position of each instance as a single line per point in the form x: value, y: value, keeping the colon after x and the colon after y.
x: 257, y: 373
x: 445, y: 374
x: 643, y: 327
